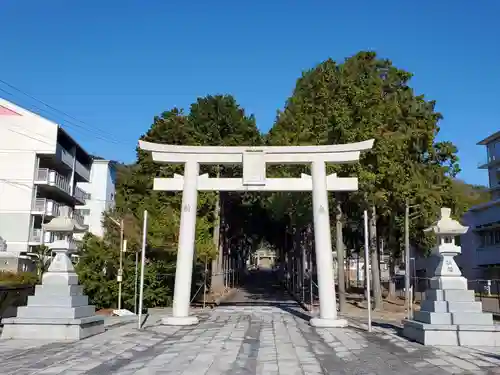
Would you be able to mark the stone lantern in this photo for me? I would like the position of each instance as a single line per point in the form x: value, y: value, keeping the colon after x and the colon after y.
x: 447, y: 274
x: 450, y: 314
x: 59, y: 310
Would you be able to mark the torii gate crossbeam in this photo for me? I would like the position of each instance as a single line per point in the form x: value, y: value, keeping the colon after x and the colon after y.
x: 254, y: 160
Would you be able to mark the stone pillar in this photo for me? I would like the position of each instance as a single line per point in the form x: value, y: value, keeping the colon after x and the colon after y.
x: 323, y: 247
x: 185, y: 253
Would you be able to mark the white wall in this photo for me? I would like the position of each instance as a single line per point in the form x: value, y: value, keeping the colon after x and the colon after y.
x: 102, y: 189
x: 27, y: 132
x: 22, y: 136
x: 16, y: 195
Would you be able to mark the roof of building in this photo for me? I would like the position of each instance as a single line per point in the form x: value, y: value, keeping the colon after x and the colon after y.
x: 10, y: 106
x: 490, y: 138
x: 98, y: 159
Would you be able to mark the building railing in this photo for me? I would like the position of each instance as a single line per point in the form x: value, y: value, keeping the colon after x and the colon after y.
x: 64, y: 155
x: 53, y: 178
x: 78, y: 217
x: 82, y: 170
x: 80, y: 194
x: 46, y: 206
x: 37, y: 233
x: 489, y: 160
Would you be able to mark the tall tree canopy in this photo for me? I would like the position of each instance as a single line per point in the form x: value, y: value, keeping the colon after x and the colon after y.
x: 360, y: 98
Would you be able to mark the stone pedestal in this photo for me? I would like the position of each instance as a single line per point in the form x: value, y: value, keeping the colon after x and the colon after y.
x: 452, y: 317
x: 450, y: 314
x: 58, y: 311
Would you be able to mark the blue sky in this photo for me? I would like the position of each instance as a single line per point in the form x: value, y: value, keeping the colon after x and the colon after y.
x: 113, y: 65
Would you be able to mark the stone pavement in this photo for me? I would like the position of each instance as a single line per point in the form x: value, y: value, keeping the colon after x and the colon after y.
x: 254, y: 335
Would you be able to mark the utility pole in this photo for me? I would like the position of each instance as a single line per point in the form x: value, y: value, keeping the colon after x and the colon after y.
x: 119, y: 277
x: 120, y: 270
x: 407, y: 258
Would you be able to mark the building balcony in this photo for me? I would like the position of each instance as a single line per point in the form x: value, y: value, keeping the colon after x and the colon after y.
x: 80, y: 195
x: 59, y: 183
x: 36, y: 235
x: 64, y: 156
x: 44, y: 206
x: 489, y: 162
x: 78, y: 217
x: 45, y: 176
x: 82, y: 170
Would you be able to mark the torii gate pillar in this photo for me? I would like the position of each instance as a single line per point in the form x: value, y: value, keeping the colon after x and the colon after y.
x: 187, y: 232
x: 254, y: 160
x: 323, y: 249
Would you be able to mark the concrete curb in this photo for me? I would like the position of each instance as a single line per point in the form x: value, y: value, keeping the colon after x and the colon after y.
x: 224, y: 297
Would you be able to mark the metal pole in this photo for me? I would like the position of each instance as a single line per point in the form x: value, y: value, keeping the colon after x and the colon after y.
x: 143, y: 261
x: 135, y: 283
x: 120, y: 270
x: 407, y: 258
x: 205, y: 283
x: 367, y: 271
x: 411, y: 302
x: 310, y: 280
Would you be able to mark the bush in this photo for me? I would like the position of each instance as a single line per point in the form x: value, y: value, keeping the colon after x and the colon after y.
x: 21, y: 278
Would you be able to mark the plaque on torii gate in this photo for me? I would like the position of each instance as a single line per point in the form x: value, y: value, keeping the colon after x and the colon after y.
x: 254, y: 160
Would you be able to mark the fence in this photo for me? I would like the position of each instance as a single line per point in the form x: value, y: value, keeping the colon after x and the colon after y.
x: 306, y: 290
x: 201, y: 296
x: 303, y: 287
x: 486, y: 291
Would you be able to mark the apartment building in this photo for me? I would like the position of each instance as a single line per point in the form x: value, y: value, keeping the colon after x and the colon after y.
x: 40, y: 169
x: 480, y: 258
x: 100, y: 195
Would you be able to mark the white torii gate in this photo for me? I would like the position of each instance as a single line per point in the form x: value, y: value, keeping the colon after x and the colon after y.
x: 254, y: 160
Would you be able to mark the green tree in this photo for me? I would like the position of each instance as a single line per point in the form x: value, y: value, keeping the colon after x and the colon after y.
x: 42, y: 256
x: 213, y: 120
x: 366, y: 97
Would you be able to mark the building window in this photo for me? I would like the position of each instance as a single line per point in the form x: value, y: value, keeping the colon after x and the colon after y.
x: 490, y: 237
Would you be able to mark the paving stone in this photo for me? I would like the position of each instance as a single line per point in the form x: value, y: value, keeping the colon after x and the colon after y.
x: 265, y: 335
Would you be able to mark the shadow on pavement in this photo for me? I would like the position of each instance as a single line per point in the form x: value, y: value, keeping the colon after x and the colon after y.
x: 263, y: 288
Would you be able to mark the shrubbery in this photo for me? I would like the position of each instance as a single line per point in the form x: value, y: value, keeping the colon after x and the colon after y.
x: 21, y: 278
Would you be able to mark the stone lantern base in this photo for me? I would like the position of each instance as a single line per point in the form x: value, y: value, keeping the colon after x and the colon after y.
x: 58, y: 311
x: 452, y: 317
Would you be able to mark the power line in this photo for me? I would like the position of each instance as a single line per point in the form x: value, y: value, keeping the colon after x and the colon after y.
x: 104, y: 135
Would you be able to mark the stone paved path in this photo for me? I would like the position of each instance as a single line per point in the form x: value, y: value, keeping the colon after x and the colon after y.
x: 260, y: 333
